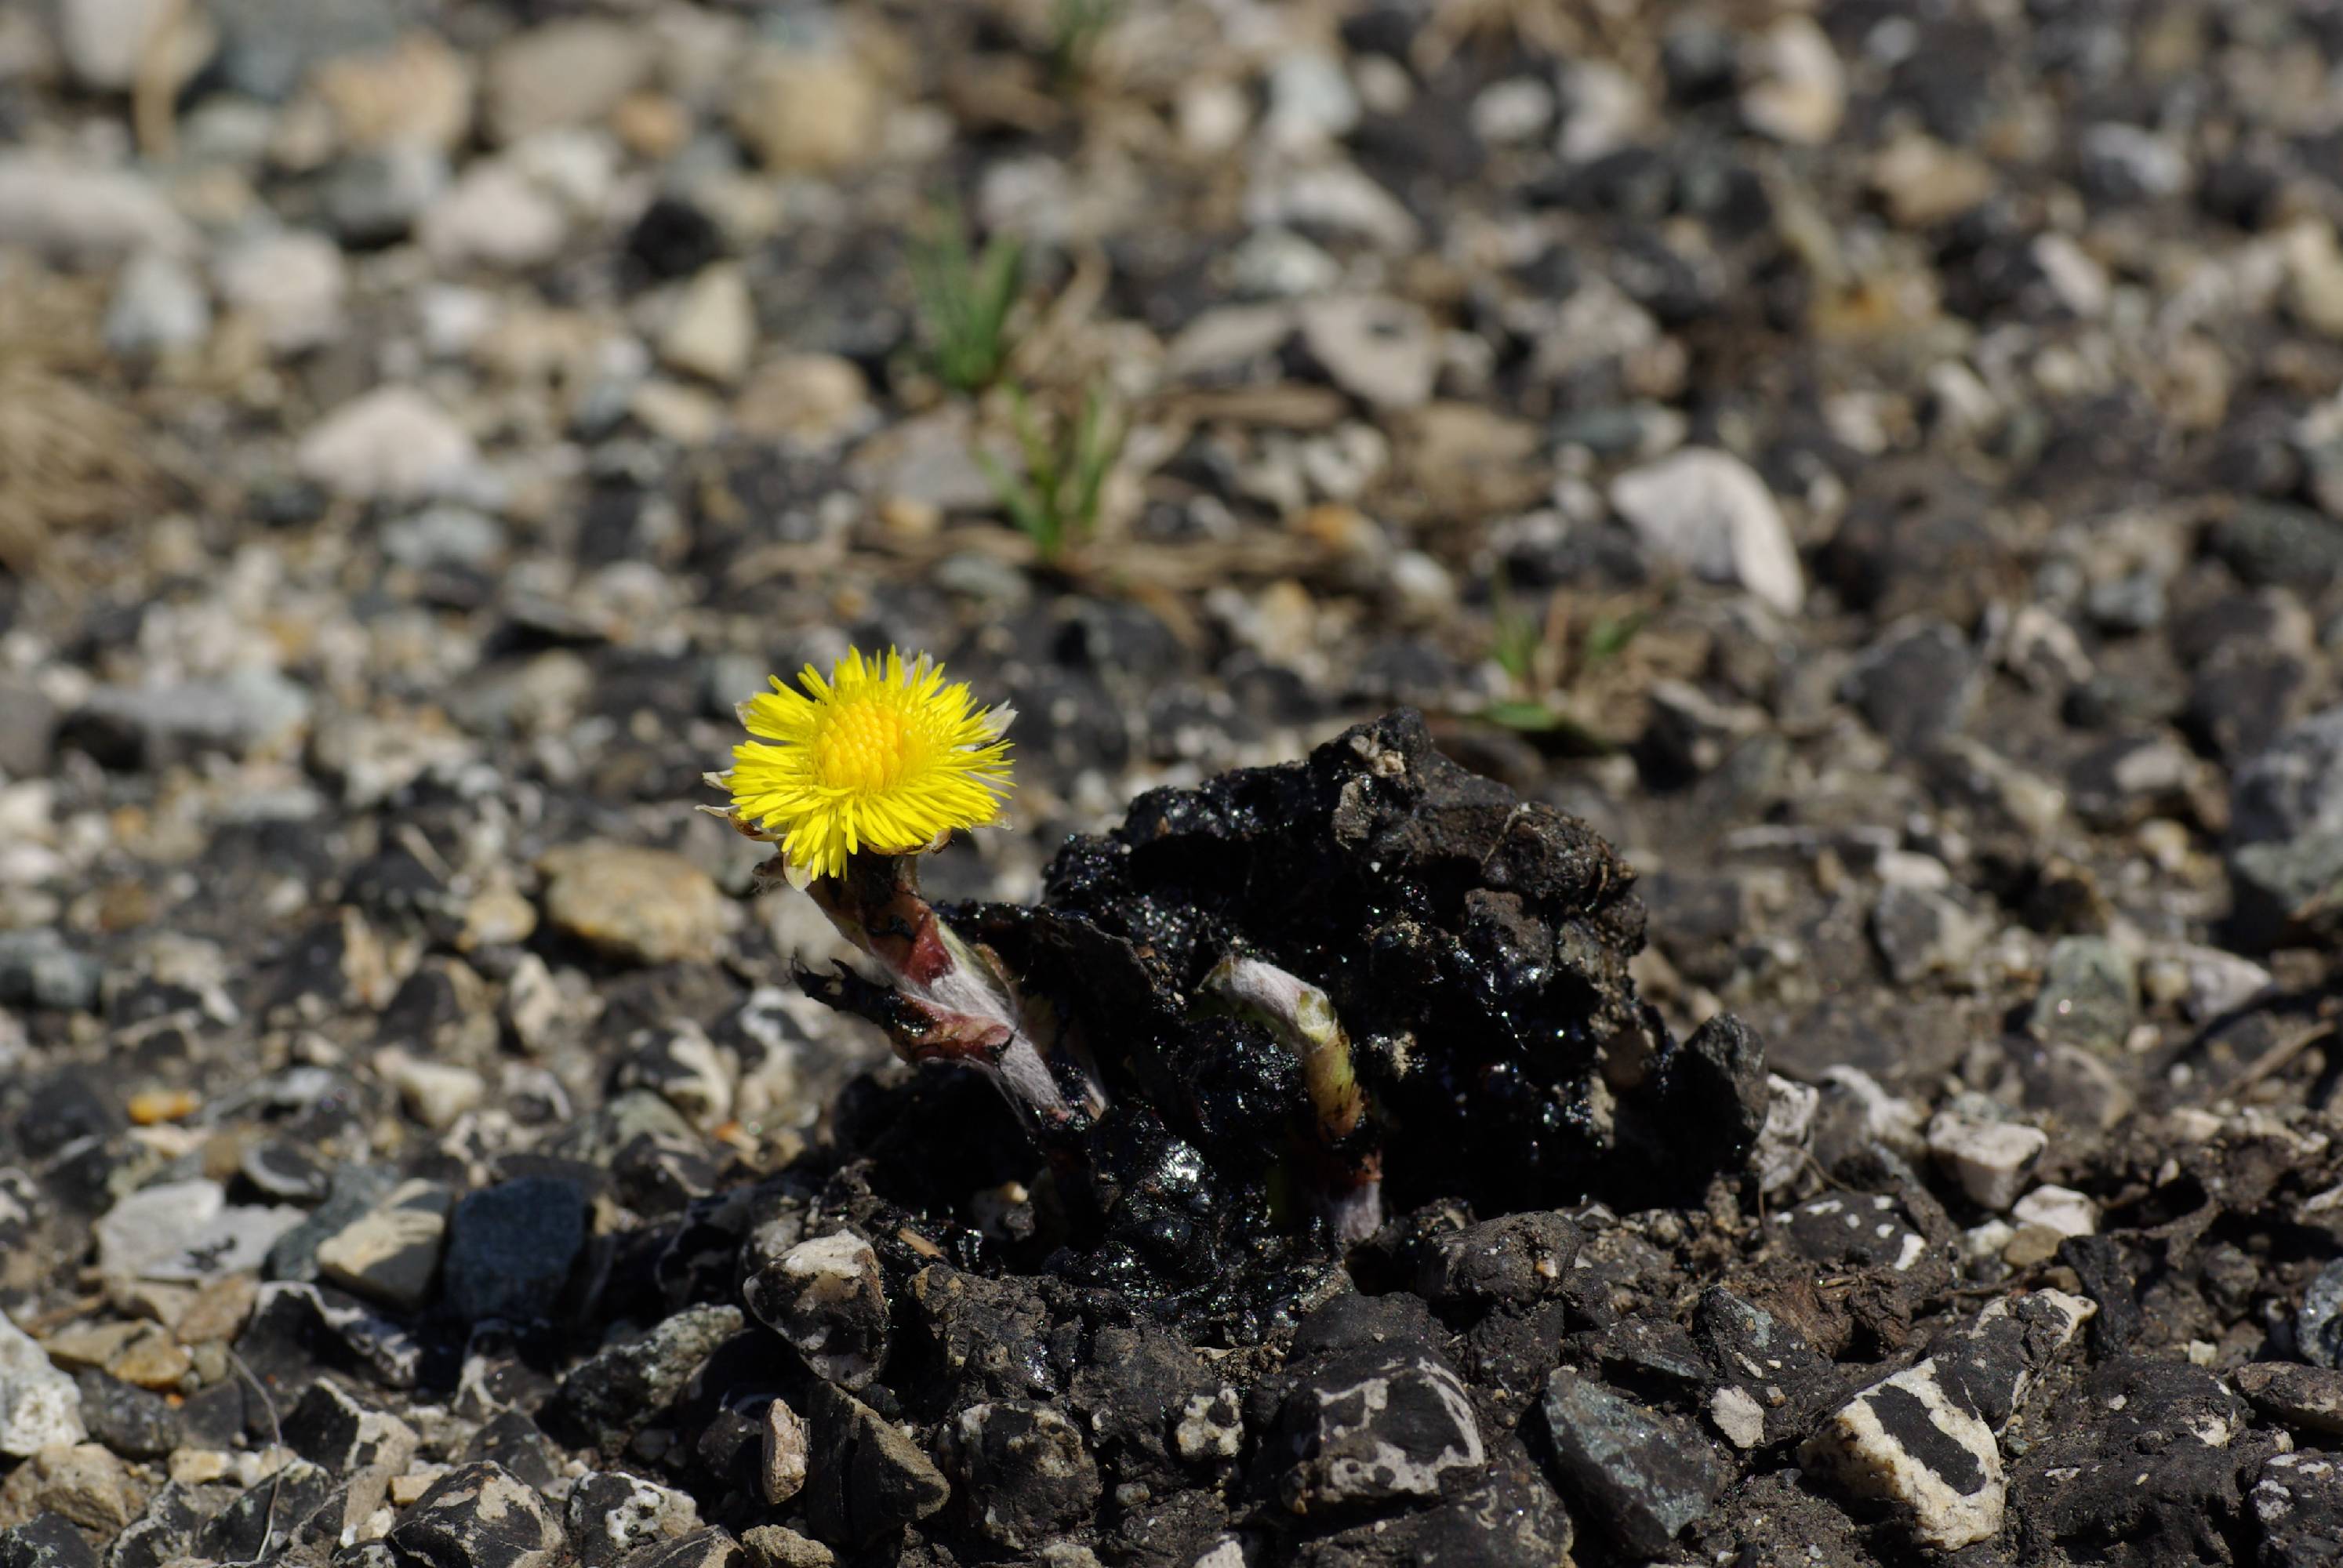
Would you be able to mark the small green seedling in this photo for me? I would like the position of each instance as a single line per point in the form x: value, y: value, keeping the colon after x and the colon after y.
x: 1054, y: 496
x: 965, y: 297
x: 1539, y: 659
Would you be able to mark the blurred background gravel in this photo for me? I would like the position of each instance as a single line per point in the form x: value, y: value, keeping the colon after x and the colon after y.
x: 1881, y: 464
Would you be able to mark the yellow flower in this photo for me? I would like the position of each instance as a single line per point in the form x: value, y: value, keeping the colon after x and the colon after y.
x: 882, y: 756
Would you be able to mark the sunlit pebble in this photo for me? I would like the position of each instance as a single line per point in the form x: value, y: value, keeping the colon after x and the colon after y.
x: 156, y: 1106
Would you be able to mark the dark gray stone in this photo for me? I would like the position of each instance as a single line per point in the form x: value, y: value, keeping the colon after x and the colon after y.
x: 333, y: 1429
x: 2294, y: 786
x: 2307, y: 1399
x: 516, y: 1443
x: 1916, y: 686
x: 284, y: 1171
x: 352, y: 1191
x: 701, y: 1549
x: 477, y: 1516
x: 511, y: 1248
x: 1511, y: 1518
x: 1512, y: 1262
x: 132, y: 1422
x: 2149, y: 1461
x: 2271, y: 545
x: 2296, y: 1508
x: 1024, y: 1473
x: 1643, y: 1476
x: 611, y: 1394
x: 1750, y: 1349
x: 2089, y: 995
x: 164, y: 1533
x: 1369, y: 1427
x: 45, y: 1541
x: 374, y: 197
x: 826, y: 1297
x: 2286, y: 889
x: 265, y: 1516
x: 39, y: 970
x: 867, y: 1479
x: 1864, y: 1230
x: 2318, y: 1322
x: 613, y: 1516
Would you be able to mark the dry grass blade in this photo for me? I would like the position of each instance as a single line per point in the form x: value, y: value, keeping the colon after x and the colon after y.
x: 70, y: 457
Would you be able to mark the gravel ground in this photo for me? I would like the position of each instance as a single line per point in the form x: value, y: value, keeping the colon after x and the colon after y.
x: 1856, y: 489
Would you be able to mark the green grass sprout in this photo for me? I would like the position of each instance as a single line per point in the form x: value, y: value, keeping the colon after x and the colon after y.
x: 1053, y: 496
x: 965, y: 297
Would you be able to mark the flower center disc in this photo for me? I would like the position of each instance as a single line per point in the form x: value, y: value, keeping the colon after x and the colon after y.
x: 862, y: 749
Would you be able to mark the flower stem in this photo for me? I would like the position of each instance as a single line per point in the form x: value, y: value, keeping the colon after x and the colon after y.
x: 1343, y: 1166
x: 951, y: 1001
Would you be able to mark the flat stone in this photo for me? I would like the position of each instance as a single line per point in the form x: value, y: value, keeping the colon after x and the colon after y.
x: 249, y: 709
x: 268, y: 48
x: 2286, y: 889
x: 1990, y: 1160
x: 391, y: 1255
x: 293, y: 284
x: 866, y: 1478
x: 188, y: 1230
x: 826, y: 1296
x: 808, y: 113
x: 37, y: 969
x: 132, y: 1422
x: 478, y: 1516
x: 39, y: 1406
x: 495, y: 216
x: 1709, y: 512
x: 394, y: 443
x: 416, y: 96
x: 709, y: 1548
x: 1923, y: 932
x: 1382, y: 350
x: 1643, y: 1476
x: 570, y: 72
x: 612, y: 1516
x: 621, y: 1386
x: 158, y: 305
x: 86, y: 217
x: 435, y: 1093
x: 2308, y: 1399
x: 812, y: 399
x: 712, y: 332
x: 2294, y: 786
x: 344, y: 1436
x: 777, y: 1546
x: 2061, y: 1210
x: 924, y: 460
x: 45, y: 1541
x: 1916, y: 684
x: 511, y: 1247
x: 81, y: 1482
x: 1025, y: 1473
x: 635, y: 904
x: 2089, y: 995
x: 1922, y: 1441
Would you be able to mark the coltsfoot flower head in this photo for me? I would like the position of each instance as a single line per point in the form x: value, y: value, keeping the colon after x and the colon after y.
x: 882, y: 756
